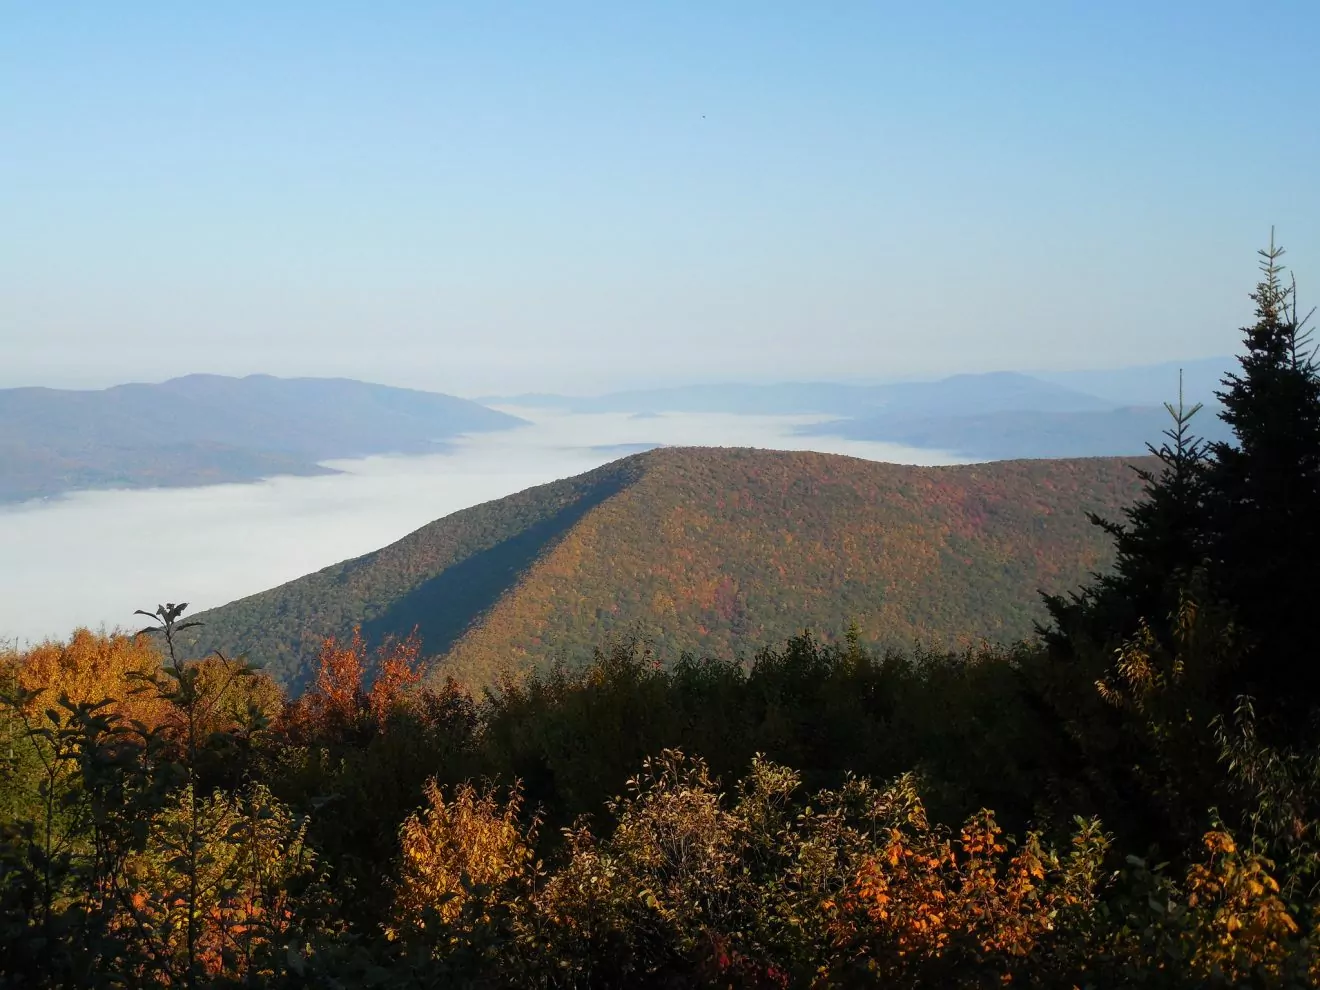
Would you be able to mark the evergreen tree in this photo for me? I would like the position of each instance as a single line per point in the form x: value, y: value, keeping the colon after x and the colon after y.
x: 1264, y: 501
x: 1157, y: 548
x: 1233, y: 525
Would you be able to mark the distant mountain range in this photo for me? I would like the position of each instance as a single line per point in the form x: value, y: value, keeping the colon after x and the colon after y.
x: 708, y: 550
x: 1006, y: 434
x: 205, y: 429
x: 984, y: 417
x: 1150, y: 384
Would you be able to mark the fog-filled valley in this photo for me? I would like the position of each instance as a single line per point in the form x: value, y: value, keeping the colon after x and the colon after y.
x: 234, y: 485
x: 92, y: 558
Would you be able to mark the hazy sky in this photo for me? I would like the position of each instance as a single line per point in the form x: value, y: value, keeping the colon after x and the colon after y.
x: 495, y: 197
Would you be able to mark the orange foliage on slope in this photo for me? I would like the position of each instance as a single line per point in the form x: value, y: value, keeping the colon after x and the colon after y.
x: 93, y: 667
x: 130, y: 672
x: 339, y: 701
x: 722, y: 552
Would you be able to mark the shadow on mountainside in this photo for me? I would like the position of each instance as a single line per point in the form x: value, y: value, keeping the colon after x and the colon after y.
x: 442, y: 608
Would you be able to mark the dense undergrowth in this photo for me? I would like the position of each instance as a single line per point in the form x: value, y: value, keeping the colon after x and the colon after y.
x: 200, y: 829
x: 1130, y: 800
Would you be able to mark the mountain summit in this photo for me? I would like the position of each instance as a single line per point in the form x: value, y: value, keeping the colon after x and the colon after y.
x: 708, y: 550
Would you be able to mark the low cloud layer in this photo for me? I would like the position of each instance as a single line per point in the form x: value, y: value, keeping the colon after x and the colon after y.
x: 92, y: 558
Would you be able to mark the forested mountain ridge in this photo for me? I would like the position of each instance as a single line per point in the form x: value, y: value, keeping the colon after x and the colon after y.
x: 707, y: 550
x: 481, y: 548
x: 204, y: 429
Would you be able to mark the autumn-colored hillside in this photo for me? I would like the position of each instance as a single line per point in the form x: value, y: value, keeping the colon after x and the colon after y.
x: 710, y: 551
x: 1129, y: 799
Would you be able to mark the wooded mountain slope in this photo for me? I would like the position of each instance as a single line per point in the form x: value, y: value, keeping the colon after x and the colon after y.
x: 707, y: 550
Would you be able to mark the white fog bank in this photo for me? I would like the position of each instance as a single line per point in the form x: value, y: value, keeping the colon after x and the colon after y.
x: 91, y: 558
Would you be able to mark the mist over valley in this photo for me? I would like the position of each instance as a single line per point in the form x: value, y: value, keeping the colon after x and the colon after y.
x: 212, y: 544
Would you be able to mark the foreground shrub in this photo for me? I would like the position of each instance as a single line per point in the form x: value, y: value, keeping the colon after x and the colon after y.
x: 766, y: 886
x: 219, y: 881
x: 452, y: 850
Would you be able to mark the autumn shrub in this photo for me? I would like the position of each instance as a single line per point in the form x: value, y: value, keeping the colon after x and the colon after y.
x: 1240, y: 925
x: 233, y: 908
x: 341, y: 704
x: 646, y: 899
x: 116, y: 868
x: 471, y: 845
x: 924, y: 907
x: 686, y: 883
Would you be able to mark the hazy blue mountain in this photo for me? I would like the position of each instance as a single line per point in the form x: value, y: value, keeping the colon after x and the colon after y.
x: 960, y: 394
x: 204, y: 429
x: 1000, y: 391
x: 1056, y: 391
x: 1113, y: 412
x: 1152, y: 384
x: 1010, y: 434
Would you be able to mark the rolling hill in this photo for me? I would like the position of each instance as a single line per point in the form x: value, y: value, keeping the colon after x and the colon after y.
x: 708, y: 550
x: 204, y: 429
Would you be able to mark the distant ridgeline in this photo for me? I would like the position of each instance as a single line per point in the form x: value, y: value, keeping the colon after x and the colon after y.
x: 993, y: 416
x: 715, y: 551
x: 207, y: 429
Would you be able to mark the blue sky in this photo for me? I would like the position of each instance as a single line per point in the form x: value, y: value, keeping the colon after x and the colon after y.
x: 499, y: 197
